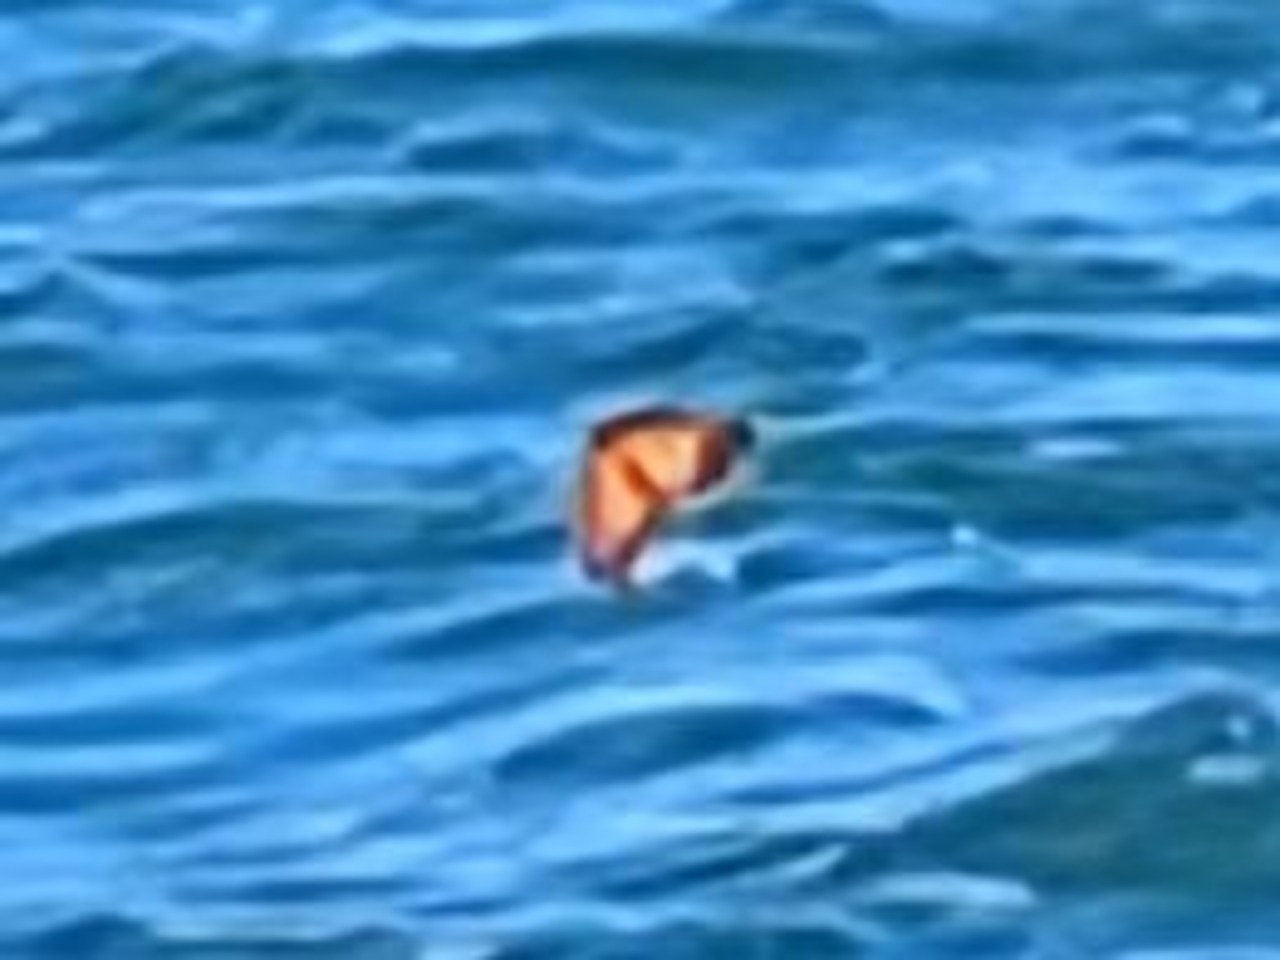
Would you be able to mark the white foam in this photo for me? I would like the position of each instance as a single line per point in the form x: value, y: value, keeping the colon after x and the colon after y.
x: 672, y: 558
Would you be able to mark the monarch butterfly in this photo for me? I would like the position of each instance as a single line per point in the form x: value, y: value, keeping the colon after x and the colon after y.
x: 637, y: 467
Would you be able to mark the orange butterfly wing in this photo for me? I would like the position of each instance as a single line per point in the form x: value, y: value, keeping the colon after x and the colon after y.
x: 617, y: 512
x: 671, y: 456
x: 637, y: 468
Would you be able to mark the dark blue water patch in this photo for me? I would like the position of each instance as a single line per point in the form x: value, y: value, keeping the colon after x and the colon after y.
x: 1261, y: 211
x: 95, y: 780
x: 254, y: 527
x: 176, y: 261
x: 101, y: 726
x: 359, y: 731
x: 892, y: 470
x: 1131, y: 290
x: 723, y: 860
x: 41, y: 370
x: 277, y: 229
x: 800, y: 266
x: 632, y: 747
x: 1009, y: 279
x: 724, y: 65
x: 1121, y: 833
x: 1260, y: 150
x: 777, y: 567
x: 736, y: 934
x: 25, y: 294
x: 656, y: 342
x: 1211, y: 126
x: 858, y: 849
x: 114, y: 938
x: 1062, y: 502
x: 515, y: 145
x: 1129, y: 345
x: 177, y: 96
x: 958, y: 266
x: 1139, y: 649
x: 526, y: 623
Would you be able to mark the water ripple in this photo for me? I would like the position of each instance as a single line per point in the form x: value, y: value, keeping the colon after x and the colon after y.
x: 303, y: 312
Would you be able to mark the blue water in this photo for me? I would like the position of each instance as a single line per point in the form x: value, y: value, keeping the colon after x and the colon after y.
x: 304, y: 309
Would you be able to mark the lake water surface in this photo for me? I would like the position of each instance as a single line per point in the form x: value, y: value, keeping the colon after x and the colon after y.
x: 304, y: 307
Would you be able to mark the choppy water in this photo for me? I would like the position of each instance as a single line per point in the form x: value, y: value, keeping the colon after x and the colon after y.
x: 304, y: 306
